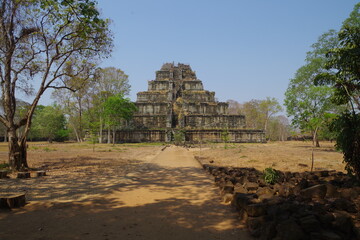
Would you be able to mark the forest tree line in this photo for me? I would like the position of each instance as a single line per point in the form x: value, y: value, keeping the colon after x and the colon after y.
x: 97, y: 106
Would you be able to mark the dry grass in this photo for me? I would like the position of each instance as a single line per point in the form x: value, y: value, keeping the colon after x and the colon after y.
x: 40, y: 152
x: 75, y: 165
x: 285, y: 156
x: 76, y: 169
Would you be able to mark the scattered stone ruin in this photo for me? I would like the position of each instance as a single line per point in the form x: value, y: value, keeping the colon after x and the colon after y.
x: 176, y: 103
x: 297, y: 205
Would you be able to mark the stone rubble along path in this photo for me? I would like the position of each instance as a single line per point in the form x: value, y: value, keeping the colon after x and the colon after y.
x: 167, y: 197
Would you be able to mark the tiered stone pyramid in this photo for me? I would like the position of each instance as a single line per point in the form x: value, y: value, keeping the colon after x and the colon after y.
x: 176, y: 100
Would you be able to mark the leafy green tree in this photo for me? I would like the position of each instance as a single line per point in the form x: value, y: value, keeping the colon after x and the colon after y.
x: 84, y: 108
x: 343, y: 64
x: 34, y: 133
x: 343, y: 76
x: 116, y: 110
x: 306, y: 103
x: 49, y: 123
x: 347, y: 127
x: 309, y: 111
x: 108, y: 82
x: 49, y: 40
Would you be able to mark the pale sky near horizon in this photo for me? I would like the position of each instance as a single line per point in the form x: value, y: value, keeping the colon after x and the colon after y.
x: 240, y: 49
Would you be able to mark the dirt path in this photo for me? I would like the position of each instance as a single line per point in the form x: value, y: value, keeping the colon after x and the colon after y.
x: 166, y: 197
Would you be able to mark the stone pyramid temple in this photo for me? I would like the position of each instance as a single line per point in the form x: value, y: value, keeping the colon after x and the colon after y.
x: 177, y: 102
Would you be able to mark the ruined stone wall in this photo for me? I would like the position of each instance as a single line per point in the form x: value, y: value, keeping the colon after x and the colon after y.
x: 214, y: 121
x: 198, y: 96
x: 193, y: 136
x: 136, y: 136
x: 206, y: 108
x: 153, y: 96
x: 151, y: 121
x: 162, y: 75
x: 152, y: 108
x: 158, y: 85
x: 235, y: 136
x: 194, y: 85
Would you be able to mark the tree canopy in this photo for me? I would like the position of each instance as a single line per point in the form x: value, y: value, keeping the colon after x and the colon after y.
x: 307, y: 104
x: 116, y: 109
x: 49, y: 123
x: 51, y: 42
x: 342, y: 75
x: 85, y: 108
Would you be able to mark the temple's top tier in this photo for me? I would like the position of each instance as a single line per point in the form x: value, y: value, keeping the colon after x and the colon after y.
x: 172, y: 72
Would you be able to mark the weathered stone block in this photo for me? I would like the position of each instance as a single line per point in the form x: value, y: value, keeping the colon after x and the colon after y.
x: 317, y: 191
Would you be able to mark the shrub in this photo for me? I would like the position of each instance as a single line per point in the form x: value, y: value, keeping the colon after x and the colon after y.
x: 270, y: 175
x: 179, y: 137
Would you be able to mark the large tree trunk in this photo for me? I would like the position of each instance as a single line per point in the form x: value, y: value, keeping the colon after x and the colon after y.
x: 17, y: 151
x: 108, y: 136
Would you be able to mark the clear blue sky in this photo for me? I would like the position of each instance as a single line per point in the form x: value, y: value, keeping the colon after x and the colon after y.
x: 240, y: 49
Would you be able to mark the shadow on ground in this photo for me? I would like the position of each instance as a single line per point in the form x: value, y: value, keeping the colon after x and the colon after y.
x: 148, y: 202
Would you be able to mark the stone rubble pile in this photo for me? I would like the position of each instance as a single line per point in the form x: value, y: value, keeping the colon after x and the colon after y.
x: 306, y: 205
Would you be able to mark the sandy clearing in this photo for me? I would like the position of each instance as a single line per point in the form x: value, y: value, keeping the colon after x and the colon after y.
x: 165, y: 197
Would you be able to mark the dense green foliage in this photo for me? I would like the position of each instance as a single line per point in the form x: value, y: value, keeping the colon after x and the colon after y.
x: 117, y: 108
x: 49, y: 123
x: 343, y: 76
x: 270, y: 175
x: 347, y: 127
